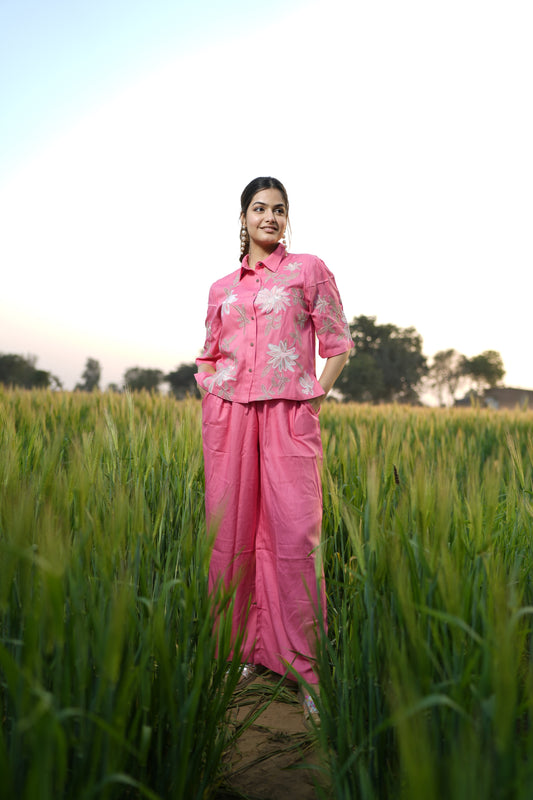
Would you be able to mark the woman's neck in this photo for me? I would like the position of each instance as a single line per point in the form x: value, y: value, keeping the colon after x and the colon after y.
x: 256, y: 254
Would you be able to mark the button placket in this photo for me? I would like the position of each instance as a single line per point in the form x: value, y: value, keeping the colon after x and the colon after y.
x: 253, y: 319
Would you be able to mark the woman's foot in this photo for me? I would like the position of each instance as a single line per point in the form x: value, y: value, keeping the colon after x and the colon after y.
x: 311, y: 715
x: 247, y: 673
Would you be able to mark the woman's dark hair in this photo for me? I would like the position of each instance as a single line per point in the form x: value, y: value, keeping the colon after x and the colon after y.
x: 257, y: 185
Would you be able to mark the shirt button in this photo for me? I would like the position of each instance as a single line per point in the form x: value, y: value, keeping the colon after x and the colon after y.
x: 249, y: 370
x: 257, y: 280
x: 251, y: 344
x: 252, y: 317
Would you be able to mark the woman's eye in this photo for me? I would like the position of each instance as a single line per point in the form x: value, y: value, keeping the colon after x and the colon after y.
x: 258, y: 208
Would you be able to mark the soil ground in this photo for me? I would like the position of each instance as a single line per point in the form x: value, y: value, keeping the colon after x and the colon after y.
x: 275, y: 756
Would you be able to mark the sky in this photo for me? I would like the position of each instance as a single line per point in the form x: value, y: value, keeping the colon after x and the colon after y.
x: 128, y: 129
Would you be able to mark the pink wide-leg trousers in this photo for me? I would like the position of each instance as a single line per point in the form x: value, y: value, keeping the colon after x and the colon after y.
x: 264, y: 501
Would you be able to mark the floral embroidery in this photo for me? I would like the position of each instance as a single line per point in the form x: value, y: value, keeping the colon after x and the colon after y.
x: 282, y: 357
x: 225, y: 344
x: 307, y: 383
x: 273, y: 323
x: 296, y: 336
x: 328, y: 326
x: 297, y: 297
x: 230, y: 298
x: 268, y: 394
x: 275, y: 299
x: 279, y: 381
x: 301, y: 319
x: 221, y: 376
x: 322, y: 305
x: 262, y: 326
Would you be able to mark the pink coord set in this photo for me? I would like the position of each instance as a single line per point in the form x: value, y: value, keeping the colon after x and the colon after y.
x: 263, y: 451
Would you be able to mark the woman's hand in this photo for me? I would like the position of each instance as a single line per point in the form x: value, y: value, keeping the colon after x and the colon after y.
x: 316, y: 402
x: 331, y: 372
x: 209, y: 370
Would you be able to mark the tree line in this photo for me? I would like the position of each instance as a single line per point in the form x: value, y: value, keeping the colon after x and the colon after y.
x: 386, y: 365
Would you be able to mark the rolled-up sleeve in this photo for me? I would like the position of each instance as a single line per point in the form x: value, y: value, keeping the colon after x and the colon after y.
x: 327, y: 313
x: 210, y: 352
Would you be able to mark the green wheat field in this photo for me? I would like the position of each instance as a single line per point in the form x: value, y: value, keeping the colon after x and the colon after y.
x: 112, y: 681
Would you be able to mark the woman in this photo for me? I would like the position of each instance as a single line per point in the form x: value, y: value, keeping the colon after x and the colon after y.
x: 261, y: 433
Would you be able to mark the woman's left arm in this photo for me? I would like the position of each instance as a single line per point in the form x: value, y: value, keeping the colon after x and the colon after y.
x: 332, y: 369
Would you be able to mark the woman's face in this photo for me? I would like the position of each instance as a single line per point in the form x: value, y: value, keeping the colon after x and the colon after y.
x: 266, y: 219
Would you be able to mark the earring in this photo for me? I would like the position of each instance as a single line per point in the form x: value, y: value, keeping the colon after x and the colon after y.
x: 245, y: 239
x: 284, y: 241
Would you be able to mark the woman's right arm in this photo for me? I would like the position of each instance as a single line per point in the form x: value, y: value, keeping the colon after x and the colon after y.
x: 206, y: 362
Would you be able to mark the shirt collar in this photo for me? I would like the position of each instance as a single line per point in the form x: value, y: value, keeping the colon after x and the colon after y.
x: 271, y: 262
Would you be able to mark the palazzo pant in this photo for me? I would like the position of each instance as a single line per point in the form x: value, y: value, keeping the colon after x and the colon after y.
x: 264, y: 501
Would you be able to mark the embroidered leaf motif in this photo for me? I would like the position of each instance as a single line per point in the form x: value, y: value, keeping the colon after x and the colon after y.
x: 273, y: 323
x: 301, y: 319
x: 279, y: 381
x: 322, y: 305
x: 225, y: 345
x: 296, y: 336
x: 327, y: 326
x: 280, y: 278
x: 244, y: 319
x: 297, y: 297
x: 267, y: 393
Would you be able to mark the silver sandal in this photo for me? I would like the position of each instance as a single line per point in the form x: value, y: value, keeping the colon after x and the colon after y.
x: 310, y: 710
x: 247, y: 673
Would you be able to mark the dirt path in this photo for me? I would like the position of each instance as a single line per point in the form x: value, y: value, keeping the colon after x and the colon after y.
x: 273, y: 758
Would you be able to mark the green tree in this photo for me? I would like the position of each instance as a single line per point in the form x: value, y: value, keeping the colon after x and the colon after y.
x: 485, y: 370
x: 16, y: 370
x: 138, y: 378
x: 385, y: 365
x: 182, y: 381
x: 91, y: 376
x: 446, y: 373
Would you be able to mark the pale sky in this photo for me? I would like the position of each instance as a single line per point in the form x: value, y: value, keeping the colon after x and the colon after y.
x: 401, y: 130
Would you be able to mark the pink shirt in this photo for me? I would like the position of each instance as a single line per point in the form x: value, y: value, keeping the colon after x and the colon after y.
x: 261, y: 326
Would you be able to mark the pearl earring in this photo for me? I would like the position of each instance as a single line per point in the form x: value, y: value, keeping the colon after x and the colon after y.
x: 245, y: 239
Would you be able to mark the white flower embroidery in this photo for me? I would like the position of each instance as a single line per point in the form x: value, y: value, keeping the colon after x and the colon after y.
x: 282, y: 357
x: 222, y: 375
x: 275, y: 299
x: 294, y: 266
x: 228, y: 301
x: 307, y: 383
x: 322, y: 305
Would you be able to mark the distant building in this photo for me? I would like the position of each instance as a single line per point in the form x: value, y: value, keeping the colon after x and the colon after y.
x: 500, y: 397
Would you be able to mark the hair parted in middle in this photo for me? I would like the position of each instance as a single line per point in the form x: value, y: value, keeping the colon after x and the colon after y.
x: 248, y: 194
